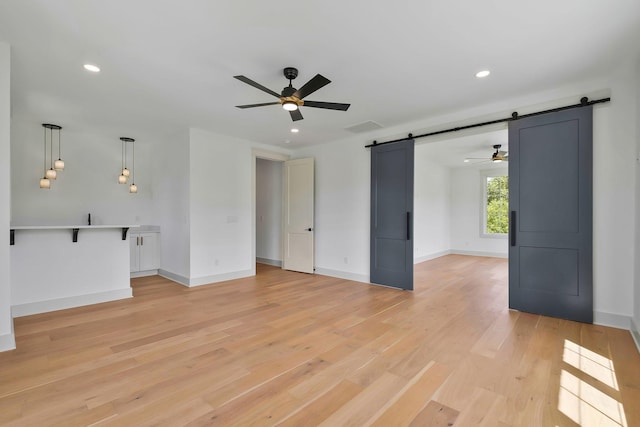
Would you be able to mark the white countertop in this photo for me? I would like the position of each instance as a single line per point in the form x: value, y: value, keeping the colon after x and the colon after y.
x: 67, y: 227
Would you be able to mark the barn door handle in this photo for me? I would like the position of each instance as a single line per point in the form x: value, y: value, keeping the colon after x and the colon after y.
x: 408, y: 225
x: 512, y: 226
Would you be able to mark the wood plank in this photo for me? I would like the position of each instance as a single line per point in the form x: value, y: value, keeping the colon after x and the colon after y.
x: 435, y: 415
x: 413, y: 398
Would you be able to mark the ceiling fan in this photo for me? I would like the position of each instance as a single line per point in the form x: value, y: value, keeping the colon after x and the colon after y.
x: 497, y: 157
x: 291, y: 98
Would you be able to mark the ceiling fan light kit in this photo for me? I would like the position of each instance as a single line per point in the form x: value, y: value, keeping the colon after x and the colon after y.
x: 291, y: 98
x: 290, y: 106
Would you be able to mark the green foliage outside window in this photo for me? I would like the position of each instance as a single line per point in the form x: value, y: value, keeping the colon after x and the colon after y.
x: 498, y: 204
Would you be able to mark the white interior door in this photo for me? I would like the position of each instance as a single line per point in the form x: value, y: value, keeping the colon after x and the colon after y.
x: 298, y: 215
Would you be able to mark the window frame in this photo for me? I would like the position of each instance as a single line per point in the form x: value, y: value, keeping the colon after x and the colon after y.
x: 484, y: 174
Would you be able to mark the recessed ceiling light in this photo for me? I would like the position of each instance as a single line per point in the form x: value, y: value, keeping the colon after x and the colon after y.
x: 295, y: 130
x: 92, y: 68
x: 483, y: 73
x: 286, y: 141
x: 466, y: 160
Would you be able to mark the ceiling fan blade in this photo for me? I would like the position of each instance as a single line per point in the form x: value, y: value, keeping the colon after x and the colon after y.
x: 296, y: 115
x: 256, y: 85
x: 311, y: 86
x: 327, y: 105
x: 257, y: 105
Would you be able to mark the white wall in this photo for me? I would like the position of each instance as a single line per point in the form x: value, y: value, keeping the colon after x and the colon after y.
x: 341, y: 208
x: 432, y: 210
x: 636, y: 318
x: 88, y: 183
x: 466, y: 223
x: 614, y: 151
x: 171, y: 204
x: 220, y: 206
x: 269, y: 210
x: 6, y: 323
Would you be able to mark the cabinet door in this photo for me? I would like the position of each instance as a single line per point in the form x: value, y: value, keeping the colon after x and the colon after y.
x: 149, y: 252
x: 134, y: 252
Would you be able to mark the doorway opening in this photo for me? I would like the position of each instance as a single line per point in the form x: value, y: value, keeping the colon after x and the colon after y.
x: 460, y: 200
x: 269, y: 212
x: 267, y: 187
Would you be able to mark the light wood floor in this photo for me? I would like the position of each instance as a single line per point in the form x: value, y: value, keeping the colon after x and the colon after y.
x: 293, y: 349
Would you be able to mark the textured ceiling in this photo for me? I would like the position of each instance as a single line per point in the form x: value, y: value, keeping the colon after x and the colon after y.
x: 169, y: 65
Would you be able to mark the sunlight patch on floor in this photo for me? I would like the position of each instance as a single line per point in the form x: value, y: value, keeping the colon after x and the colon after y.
x: 599, y: 367
x: 582, y: 402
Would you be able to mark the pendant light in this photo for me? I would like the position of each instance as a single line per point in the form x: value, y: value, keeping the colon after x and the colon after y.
x: 59, y: 164
x: 124, y: 173
x: 51, y: 172
x: 133, y: 188
x: 44, y: 181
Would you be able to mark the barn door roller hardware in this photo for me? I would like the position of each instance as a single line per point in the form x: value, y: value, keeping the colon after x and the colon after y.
x: 584, y: 101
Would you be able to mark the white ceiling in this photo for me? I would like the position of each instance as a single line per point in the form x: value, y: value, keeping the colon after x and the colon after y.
x: 168, y: 65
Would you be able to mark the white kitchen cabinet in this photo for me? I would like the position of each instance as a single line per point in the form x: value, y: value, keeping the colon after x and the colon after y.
x: 145, y: 252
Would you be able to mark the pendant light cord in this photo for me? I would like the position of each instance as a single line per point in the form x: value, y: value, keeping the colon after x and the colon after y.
x: 59, y: 146
x: 133, y: 164
x: 51, y: 147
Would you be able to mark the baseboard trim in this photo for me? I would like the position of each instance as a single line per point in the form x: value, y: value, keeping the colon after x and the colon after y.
x: 207, y: 280
x: 612, y: 320
x: 430, y: 256
x: 69, y: 302
x: 480, y: 253
x: 145, y: 273
x: 274, y: 262
x: 343, y: 275
x: 7, y: 342
x: 635, y: 333
x: 182, y: 280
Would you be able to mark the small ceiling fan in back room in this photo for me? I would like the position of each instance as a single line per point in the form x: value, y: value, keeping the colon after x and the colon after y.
x: 497, y: 157
x: 291, y: 98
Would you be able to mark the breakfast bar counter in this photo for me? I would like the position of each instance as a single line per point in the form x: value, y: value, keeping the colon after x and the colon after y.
x: 54, y: 267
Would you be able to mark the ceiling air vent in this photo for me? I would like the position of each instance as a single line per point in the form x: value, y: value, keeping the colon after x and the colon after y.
x: 364, y: 127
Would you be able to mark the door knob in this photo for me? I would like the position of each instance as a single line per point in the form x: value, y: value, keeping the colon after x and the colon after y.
x: 309, y: 229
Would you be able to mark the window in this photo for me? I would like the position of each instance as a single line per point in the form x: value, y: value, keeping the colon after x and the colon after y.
x: 495, y: 210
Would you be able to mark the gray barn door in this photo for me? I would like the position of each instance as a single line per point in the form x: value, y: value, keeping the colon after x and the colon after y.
x: 550, y: 202
x: 392, y: 215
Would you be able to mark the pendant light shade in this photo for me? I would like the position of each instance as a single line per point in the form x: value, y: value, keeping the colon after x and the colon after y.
x: 122, y: 179
x: 133, y: 188
x: 126, y: 172
x: 50, y: 174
